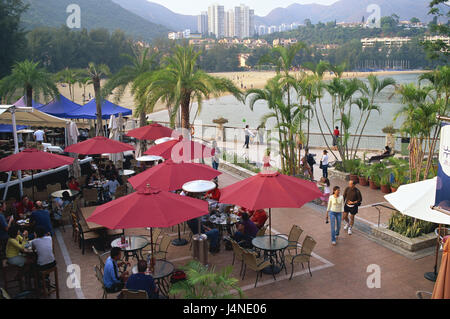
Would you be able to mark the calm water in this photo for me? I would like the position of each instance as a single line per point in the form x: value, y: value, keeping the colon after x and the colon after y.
x: 239, y: 114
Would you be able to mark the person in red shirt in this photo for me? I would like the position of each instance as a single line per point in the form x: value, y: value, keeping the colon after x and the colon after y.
x: 336, y: 134
x: 73, y: 184
x: 214, y: 194
x: 259, y: 217
x: 24, y: 206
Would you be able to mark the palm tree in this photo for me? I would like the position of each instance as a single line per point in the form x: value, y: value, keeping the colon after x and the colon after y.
x: 69, y: 77
x: 83, y: 81
x: 96, y: 73
x: 182, y: 83
x: 34, y: 81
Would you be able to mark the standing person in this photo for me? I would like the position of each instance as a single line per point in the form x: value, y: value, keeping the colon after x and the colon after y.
x: 216, y: 158
x: 334, y: 211
x: 39, y: 135
x: 266, y: 160
x: 336, y: 134
x: 324, y: 164
x: 248, y: 133
x: 306, y: 169
x: 311, y: 162
x: 353, y: 199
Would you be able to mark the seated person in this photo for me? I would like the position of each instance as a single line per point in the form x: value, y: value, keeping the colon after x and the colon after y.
x: 259, y: 218
x: 214, y: 194
x: 23, y: 207
x: 212, y: 234
x: 142, y: 281
x: 16, y: 246
x: 246, y: 230
x: 60, y: 204
x: 73, y: 184
x: 94, y: 177
x: 5, y: 224
x: 112, y: 281
x: 386, y: 153
x: 43, y: 246
x: 40, y: 217
x: 111, y: 186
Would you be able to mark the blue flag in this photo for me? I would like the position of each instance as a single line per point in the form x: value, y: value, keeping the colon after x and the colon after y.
x: 443, y: 179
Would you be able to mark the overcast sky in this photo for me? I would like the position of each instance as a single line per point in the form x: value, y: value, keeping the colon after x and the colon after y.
x: 262, y: 7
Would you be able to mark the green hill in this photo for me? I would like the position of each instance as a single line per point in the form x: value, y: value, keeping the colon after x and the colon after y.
x: 94, y: 14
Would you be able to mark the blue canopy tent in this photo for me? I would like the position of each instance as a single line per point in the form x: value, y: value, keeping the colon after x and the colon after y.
x: 89, y: 111
x: 8, y: 128
x: 62, y: 107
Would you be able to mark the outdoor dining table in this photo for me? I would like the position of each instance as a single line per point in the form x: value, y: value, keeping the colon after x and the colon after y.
x: 86, y: 212
x: 126, y: 172
x: 99, y: 185
x: 149, y: 158
x: 132, y: 247
x: 161, y: 273
x: 59, y: 194
x: 224, y: 221
x: 199, y: 186
x: 271, y: 246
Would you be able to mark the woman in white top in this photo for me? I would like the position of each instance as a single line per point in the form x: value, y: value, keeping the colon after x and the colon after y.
x: 325, y: 183
x: 324, y: 164
x: 334, y: 210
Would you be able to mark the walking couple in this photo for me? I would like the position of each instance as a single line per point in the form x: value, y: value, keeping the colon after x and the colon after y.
x: 343, y: 207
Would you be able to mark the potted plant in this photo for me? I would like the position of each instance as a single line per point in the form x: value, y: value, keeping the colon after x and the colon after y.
x: 399, y: 171
x: 364, y: 175
x: 385, y: 177
x: 374, y: 175
x: 353, y: 166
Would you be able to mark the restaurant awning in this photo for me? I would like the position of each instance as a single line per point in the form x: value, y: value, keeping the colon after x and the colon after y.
x: 89, y: 111
x: 30, y: 117
x: 60, y: 107
x: 8, y: 128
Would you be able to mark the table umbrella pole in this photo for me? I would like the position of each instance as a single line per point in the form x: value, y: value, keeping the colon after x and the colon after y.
x: 152, y: 259
x: 270, y: 224
x: 179, y: 241
x: 431, y: 276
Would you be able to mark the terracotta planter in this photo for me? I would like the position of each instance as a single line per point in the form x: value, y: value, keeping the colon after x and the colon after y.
x: 373, y: 185
x: 386, y: 189
x: 393, y: 189
x: 354, y: 178
x: 363, y: 181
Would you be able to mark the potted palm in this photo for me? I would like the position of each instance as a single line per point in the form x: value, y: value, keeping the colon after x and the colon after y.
x: 385, y: 177
x: 399, y: 171
x: 363, y: 175
x: 374, y: 175
x: 352, y: 167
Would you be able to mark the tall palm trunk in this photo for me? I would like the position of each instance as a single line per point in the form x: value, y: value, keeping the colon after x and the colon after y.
x: 142, y: 123
x: 99, y: 130
x: 185, y: 120
x: 29, y: 91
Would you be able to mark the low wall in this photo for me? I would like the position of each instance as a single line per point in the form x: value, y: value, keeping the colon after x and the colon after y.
x: 408, y: 244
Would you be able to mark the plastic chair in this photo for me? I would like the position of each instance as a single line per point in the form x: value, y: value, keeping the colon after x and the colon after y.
x: 304, y: 257
x: 254, y: 263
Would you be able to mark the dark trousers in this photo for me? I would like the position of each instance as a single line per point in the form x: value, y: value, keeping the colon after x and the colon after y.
x: 247, y: 141
x: 115, y: 288
x: 215, y: 165
x: 325, y: 171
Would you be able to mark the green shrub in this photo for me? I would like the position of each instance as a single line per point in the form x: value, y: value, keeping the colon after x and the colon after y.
x: 408, y: 226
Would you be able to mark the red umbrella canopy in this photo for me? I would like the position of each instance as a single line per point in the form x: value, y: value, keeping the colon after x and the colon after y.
x: 32, y: 158
x: 148, y: 207
x: 181, y: 150
x: 270, y: 190
x: 99, y: 145
x: 150, y: 132
x: 170, y: 176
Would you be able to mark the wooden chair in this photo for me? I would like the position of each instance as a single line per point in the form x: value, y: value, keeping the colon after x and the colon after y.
x: 101, y: 262
x: 423, y: 294
x: 293, y: 237
x: 156, y: 233
x: 53, y: 188
x: 90, y: 196
x: 254, y: 263
x: 85, y: 236
x: 99, y: 275
x: 304, y: 257
x: 11, y: 274
x: 48, y: 288
x: 238, y: 254
x: 134, y: 294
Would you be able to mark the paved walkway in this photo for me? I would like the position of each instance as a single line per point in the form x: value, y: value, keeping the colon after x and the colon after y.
x: 338, y: 271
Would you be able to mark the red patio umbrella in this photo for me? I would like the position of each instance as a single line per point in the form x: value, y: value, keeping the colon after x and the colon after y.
x: 270, y: 190
x: 98, y: 145
x: 150, y: 132
x: 170, y: 176
x: 32, y: 159
x: 181, y: 150
x: 148, y: 207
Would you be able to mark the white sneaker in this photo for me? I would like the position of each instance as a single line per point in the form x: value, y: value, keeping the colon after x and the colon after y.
x: 345, y: 225
x: 333, y: 243
x: 349, y: 230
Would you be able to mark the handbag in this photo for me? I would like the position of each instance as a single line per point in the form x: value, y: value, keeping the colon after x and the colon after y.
x: 320, y: 166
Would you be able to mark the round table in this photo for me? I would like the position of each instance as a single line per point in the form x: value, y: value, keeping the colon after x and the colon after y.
x: 271, y: 245
x: 127, y: 172
x: 149, y: 158
x: 162, y: 270
x: 132, y: 247
x: 221, y: 221
x: 163, y: 140
x: 59, y: 194
x: 199, y: 186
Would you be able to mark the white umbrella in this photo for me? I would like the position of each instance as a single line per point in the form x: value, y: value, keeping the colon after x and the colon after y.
x: 416, y: 199
x: 115, y: 135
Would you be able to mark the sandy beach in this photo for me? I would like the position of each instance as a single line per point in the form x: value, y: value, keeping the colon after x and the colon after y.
x: 248, y: 80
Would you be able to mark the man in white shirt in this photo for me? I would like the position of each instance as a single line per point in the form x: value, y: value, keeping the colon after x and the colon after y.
x: 111, y: 187
x: 39, y: 135
x: 248, y: 133
x: 324, y: 164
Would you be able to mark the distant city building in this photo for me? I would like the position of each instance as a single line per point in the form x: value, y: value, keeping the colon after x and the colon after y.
x: 186, y: 34
x: 272, y: 29
x: 216, y: 20
x: 283, y: 42
x: 202, y: 23
x: 262, y: 29
x: 389, y: 42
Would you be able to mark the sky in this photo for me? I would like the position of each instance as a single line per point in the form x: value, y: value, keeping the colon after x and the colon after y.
x: 262, y: 7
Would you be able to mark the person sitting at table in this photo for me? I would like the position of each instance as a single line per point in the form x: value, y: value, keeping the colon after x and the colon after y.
x: 16, y: 246
x: 110, y: 187
x: 259, y: 217
x: 43, y: 246
x: 40, y: 218
x: 94, y: 177
x: 212, y: 234
x: 112, y: 281
x: 73, y: 184
x: 246, y: 231
x: 59, y: 204
x: 214, y: 194
x: 5, y: 224
x: 23, y: 207
x: 142, y: 281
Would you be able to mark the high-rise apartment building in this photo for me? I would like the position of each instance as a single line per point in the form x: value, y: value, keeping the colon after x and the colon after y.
x: 216, y: 20
x: 202, y: 23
